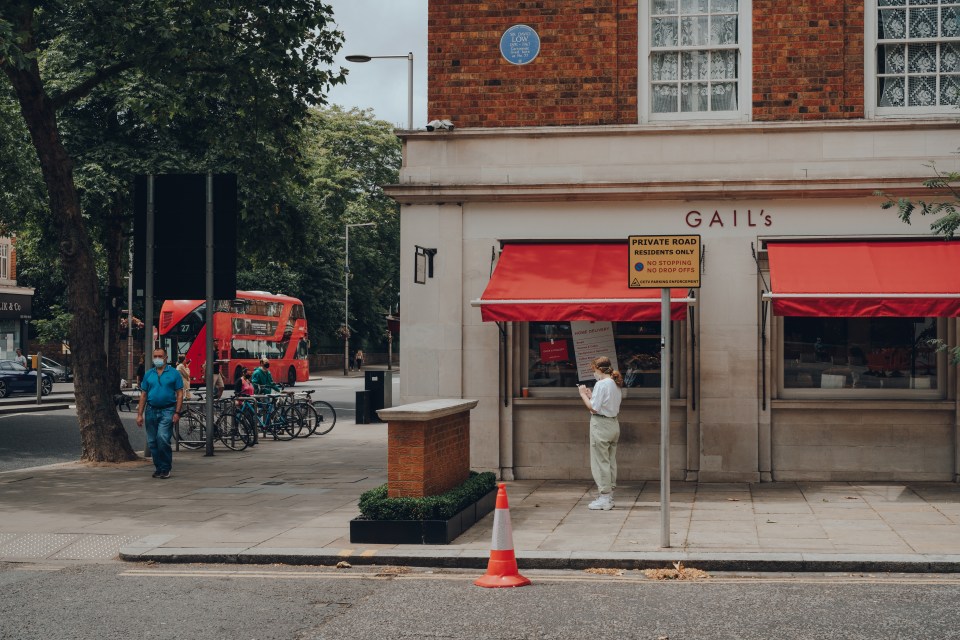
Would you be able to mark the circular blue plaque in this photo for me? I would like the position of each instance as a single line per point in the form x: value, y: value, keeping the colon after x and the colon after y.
x: 519, y: 44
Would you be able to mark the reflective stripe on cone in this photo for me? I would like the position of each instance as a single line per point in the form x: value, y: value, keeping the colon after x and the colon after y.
x: 502, y: 569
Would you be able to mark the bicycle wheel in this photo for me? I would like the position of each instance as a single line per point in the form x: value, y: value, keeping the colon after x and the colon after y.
x: 190, y: 431
x: 283, y: 424
x: 231, y: 432
x: 293, y: 420
x: 326, y: 417
x: 308, y: 418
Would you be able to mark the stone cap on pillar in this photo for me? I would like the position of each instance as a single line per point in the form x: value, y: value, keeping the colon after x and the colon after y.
x: 426, y: 410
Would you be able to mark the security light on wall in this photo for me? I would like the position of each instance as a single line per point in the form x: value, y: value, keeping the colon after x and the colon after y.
x: 423, y: 264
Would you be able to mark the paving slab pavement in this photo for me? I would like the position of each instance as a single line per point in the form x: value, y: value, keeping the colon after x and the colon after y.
x: 292, y: 502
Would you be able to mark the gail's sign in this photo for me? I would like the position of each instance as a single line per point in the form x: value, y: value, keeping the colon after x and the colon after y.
x: 724, y: 219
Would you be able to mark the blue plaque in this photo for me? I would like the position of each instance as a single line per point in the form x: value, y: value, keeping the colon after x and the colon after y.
x: 519, y: 44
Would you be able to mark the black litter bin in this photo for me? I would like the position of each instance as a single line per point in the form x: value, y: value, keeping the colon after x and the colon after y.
x: 363, y: 407
x: 380, y: 385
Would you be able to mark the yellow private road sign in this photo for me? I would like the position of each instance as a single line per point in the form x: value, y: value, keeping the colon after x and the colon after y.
x: 658, y: 262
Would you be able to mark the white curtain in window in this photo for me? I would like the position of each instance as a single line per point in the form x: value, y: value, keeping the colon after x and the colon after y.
x: 694, y: 77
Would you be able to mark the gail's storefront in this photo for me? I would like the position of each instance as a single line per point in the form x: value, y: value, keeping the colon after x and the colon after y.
x: 808, y: 353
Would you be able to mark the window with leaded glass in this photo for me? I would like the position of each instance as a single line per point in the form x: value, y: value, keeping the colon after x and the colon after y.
x: 694, y: 56
x: 918, y: 53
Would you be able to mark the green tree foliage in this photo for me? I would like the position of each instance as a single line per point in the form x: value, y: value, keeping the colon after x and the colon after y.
x: 223, y: 83
x: 949, y: 220
x: 350, y: 156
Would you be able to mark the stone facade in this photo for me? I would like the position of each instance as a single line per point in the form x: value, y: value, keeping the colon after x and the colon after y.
x: 805, y: 160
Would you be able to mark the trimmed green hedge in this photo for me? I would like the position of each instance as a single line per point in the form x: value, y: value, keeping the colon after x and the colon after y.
x: 375, y: 505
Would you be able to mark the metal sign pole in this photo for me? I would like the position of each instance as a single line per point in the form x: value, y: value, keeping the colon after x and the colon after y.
x: 39, y: 370
x: 208, y: 377
x: 148, y: 342
x: 665, y: 418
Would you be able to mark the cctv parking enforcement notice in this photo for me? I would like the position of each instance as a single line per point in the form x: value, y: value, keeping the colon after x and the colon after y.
x: 664, y: 261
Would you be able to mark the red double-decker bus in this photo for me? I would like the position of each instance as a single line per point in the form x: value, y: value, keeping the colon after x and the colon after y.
x: 255, y: 325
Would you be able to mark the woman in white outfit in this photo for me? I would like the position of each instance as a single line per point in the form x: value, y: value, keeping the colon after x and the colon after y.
x: 604, y: 406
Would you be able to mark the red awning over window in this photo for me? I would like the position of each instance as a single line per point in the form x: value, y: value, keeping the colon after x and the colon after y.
x: 918, y: 278
x: 570, y: 281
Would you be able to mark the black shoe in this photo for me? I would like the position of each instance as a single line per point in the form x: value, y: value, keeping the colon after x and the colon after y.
x: 156, y: 474
x: 164, y: 475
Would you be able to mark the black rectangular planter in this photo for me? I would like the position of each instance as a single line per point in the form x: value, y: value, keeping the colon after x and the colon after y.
x: 422, y: 531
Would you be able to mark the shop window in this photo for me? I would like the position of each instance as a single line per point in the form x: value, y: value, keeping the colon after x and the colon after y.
x: 915, y: 55
x: 697, y: 59
x: 551, y: 367
x: 861, y: 356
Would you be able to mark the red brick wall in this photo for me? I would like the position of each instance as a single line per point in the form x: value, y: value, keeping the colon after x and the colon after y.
x: 12, y: 260
x: 586, y: 72
x: 807, y: 62
x: 807, y: 59
x: 427, y: 458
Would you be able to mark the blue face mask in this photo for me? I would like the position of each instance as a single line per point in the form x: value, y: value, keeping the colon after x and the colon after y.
x: 159, y: 362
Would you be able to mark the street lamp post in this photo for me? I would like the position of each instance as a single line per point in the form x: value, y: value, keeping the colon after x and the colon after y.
x: 346, y: 292
x: 409, y: 57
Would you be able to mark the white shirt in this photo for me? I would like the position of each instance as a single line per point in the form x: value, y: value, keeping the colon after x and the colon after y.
x: 606, y: 398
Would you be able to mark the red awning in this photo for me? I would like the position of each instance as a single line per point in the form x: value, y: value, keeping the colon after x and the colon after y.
x: 570, y: 281
x: 918, y: 278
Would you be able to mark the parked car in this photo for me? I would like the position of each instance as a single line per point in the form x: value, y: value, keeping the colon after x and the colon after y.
x: 60, y: 372
x: 15, y: 378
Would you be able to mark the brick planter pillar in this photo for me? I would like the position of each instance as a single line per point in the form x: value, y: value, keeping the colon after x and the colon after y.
x: 428, y: 447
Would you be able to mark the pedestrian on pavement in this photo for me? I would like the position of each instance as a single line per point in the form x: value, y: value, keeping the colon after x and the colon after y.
x: 183, y: 367
x: 603, y: 403
x: 140, y: 371
x: 262, y: 379
x: 353, y: 361
x: 218, y: 385
x: 243, y: 386
x: 21, y: 359
x: 359, y: 359
x: 159, y: 409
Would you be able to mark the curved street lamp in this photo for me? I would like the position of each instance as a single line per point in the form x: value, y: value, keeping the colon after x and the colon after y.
x: 409, y: 57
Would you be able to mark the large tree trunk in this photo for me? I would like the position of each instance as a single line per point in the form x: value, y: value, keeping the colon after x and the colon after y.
x: 102, y: 435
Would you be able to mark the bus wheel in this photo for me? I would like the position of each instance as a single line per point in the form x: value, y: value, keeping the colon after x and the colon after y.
x: 237, y: 374
x: 291, y: 377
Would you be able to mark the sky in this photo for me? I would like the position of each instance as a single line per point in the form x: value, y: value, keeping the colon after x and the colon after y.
x: 383, y: 28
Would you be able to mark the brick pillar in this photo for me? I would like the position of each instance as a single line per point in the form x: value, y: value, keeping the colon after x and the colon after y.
x: 428, y: 447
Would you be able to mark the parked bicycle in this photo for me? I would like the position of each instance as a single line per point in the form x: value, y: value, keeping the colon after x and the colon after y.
x: 191, y: 430
x: 270, y: 415
x: 316, y: 416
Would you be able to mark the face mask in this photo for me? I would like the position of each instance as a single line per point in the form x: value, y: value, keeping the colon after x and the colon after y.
x: 158, y: 362
x: 266, y: 366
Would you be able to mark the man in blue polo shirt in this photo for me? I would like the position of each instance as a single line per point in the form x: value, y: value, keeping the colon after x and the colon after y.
x: 162, y: 397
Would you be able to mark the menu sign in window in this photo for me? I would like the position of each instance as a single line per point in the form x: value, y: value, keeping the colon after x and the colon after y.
x: 592, y: 340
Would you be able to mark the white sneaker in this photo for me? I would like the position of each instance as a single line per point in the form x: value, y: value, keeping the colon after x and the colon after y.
x: 604, y: 502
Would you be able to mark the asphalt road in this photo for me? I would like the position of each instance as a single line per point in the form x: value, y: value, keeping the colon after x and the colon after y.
x: 51, y: 602
x: 50, y: 437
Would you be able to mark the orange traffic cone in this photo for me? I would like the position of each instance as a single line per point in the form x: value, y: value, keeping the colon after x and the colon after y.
x: 502, y: 569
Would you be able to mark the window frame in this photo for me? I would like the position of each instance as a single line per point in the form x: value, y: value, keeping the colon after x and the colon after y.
x: 744, y: 45
x: 818, y: 393
x: 678, y: 370
x: 5, y: 261
x: 871, y: 94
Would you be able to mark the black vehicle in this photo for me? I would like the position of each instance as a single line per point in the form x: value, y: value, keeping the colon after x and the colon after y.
x: 15, y: 378
x: 59, y: 372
